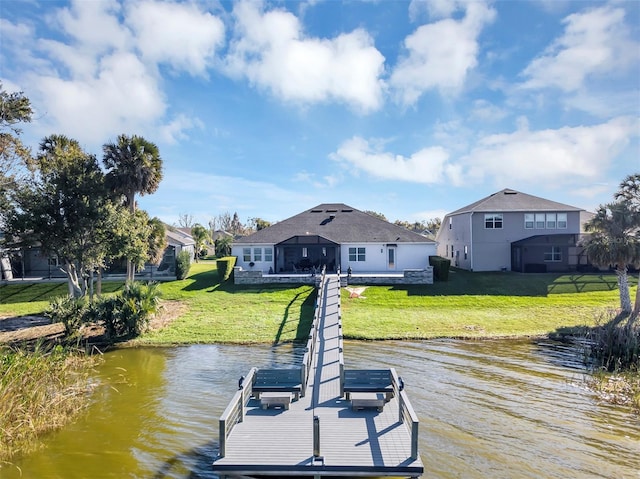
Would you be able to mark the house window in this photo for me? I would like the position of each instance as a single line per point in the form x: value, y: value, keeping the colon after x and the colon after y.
x: 446, y: 250
x: 305, y: 252
x: 562, y: 220
x: 450, y: 222
x: 466, y: 251
x: 357, y: 254
x: 493, y: 221
x: 551, y: 220
x: 540, y: 220
x: 529, y: 221
x: 246, y: 255
x: 257, y: 254
x: 553, y: 255
x: 268, y: 254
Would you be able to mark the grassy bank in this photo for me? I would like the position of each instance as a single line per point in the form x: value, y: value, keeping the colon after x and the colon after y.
x: 469, y: 305
x: 40, y: 391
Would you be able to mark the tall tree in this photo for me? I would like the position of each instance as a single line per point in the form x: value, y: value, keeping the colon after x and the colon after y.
x: 133, y: 167
x: 15, y: 108
x: 64, y: 209
x: 614, y: 242
x: 185, y: 220
x: 201, y: 237
x: 630, y: 191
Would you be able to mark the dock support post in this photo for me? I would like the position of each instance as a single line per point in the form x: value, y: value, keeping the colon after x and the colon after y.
x: 316, y: 436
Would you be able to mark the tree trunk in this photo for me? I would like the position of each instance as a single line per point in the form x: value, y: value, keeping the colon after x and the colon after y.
x: 72, y: 277
x: 623, y: 287
x: 636, y: 308
x: 99, y: 282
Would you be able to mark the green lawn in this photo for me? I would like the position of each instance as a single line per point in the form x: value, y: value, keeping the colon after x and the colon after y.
x: 469, y: 305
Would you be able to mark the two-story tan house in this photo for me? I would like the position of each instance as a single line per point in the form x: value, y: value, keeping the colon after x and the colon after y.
x: 514, y: 231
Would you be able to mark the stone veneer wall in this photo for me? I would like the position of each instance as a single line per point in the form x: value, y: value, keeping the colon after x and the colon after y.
x: 410, y: 276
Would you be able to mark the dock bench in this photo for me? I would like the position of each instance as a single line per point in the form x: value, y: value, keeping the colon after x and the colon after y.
x: 368, y: 381
x: 277, y: 381
x: 281, y: 399
x: 368, y: 400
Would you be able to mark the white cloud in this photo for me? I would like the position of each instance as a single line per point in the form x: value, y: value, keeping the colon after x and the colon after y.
x: 594, y: 42
x: 179, y: 34
x: 175, y: 129
x: 486, y: 111
x: 429, y: 165
x: 272, y: 51
x: 553, y: 157
x: 96, y: 74
x: 440, y: 55
x: 122, y: 96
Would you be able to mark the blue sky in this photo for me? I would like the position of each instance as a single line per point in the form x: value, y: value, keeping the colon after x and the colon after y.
x: 411, y: 109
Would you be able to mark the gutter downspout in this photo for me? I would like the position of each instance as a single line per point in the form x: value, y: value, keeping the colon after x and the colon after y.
x: 471, y: 240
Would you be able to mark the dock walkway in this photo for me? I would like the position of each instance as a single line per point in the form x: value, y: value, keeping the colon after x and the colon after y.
x: 320, y: 434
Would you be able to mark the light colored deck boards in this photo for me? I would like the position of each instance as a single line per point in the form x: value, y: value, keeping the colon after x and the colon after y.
x: 352, y: 443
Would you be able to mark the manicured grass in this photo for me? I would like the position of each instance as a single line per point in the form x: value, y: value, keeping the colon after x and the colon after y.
x: 234, y: 314
x: 21, y: 299
x: 469, y: 305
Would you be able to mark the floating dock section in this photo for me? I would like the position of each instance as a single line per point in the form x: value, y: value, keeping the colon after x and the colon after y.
x: 321, y: 419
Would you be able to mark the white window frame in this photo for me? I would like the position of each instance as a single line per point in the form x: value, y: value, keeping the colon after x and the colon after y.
x: 529, y: 221
x: 493, y: 221
x: 268, y: 255
x: 554, y: 255
x: 551, y: 221
x: 540, y: 221
x: 246, y: 255
x: 562, y: 221
x: 257, y: 255
x: 357, y: 254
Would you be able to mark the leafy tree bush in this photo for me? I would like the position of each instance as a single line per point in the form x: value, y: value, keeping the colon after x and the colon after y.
x: 183, y: 263
x: 225, y: 267
x: 70, y: 311
x: 124, y: 315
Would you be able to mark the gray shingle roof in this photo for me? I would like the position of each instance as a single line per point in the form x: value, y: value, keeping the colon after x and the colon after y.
x: 336, y: 222
x: 512, y: 200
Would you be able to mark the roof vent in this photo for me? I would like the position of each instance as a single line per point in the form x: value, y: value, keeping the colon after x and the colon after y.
x: 510, y: 192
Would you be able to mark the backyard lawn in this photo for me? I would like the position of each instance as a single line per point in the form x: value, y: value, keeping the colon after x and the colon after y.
x: 469, y: 305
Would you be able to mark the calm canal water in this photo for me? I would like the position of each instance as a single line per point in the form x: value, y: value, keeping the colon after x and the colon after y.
x: 489, y: 409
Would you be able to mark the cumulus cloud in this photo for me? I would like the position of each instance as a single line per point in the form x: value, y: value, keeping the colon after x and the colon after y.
x: 97, y: 73
x: 429, y: 165
x: 178, y: 34
x: 594, y: 42
x: 271, y: 49
x: 557, y: 157
x: 554, y: 157
x: 440, y: 55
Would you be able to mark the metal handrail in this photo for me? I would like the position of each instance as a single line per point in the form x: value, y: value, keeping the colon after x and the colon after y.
x: 406, y: 413
x: 234, y: 413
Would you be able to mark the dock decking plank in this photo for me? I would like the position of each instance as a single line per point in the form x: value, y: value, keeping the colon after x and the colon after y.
x: 352, y: 443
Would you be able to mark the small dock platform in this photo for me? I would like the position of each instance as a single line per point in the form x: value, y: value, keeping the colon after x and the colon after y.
x: 321, y: 433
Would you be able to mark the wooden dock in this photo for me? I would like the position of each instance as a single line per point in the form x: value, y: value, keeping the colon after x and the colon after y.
x: 320, y: 434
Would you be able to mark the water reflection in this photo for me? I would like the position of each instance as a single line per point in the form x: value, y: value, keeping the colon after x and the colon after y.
x: 499, y: 409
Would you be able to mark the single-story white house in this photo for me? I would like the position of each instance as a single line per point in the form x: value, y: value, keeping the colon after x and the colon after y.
x: 334, y: 235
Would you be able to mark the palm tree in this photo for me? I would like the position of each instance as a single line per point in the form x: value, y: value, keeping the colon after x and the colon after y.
x: 133, y: 166
x: 614, y: 242
x: 630, y: 191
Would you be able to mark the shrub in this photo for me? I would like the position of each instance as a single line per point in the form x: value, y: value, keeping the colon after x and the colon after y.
x: 225, y: 267
x: 127, y: 314
x: 69, y: 311
x: 183, y: 263
x: 615, y: 343
x: 440, y: 267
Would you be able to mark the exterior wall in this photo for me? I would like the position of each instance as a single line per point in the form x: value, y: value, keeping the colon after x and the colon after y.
x: 491, y: 248
x: 422, y: 276
x: 454, y: 235
x: 258, y: 266
x: 407, y: 256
